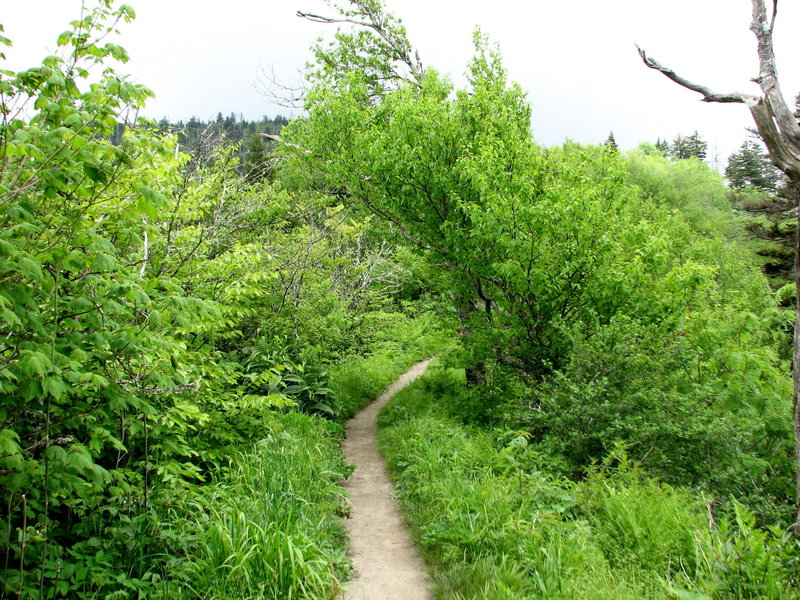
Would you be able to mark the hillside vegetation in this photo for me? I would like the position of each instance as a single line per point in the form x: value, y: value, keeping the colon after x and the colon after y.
x: 182, y: 337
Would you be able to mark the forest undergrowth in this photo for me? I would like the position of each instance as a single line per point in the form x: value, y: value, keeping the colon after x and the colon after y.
x: 182, y: 336
x: 270, y: 523
x: 497, y: 519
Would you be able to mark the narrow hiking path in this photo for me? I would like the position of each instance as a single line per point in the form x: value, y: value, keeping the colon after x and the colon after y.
x: 387, y: 566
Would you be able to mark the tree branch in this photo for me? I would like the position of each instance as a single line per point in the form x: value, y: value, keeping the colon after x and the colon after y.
x: 280, y: 93
x: 776, y: 124
x: 708, y: 94
x: 768, y: 72
x: 393, y: 36
x: 774, y: 14
x: 327, y: 20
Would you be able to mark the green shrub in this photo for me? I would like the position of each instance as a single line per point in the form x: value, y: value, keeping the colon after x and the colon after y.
x: 745, y: 562
x: 495, y: 521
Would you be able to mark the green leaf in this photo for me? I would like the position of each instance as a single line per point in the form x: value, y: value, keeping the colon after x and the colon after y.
x: 30, y: 269
x: 74, y: 261
x: 34, y: 364
x: 150, y: 201
x: 8, y: 249
x: 127, y: 11
x: 79, y: 459
x: 95, y: 173
x: 4, y: 40
x: 56, y: 387
x: 9, y: 442
x: 57, y: 454
x: 118, y: 52
x: 104, y: 262
x: 64, y: 38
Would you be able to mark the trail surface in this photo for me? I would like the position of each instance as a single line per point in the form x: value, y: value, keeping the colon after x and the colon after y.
x: 387, y: 566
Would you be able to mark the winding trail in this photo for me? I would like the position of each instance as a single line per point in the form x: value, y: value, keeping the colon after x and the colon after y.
x: 387, y: 566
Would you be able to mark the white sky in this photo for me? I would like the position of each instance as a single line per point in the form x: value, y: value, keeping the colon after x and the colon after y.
x: 576, y: 58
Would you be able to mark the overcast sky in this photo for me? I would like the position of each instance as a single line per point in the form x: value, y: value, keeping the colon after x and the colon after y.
x: 576, y: 58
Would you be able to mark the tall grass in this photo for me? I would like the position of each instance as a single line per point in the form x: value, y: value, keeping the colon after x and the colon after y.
x: 271, y: 526
x: 495, y: 522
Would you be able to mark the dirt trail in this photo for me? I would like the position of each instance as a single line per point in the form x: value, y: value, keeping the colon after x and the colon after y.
x: 387, y: 566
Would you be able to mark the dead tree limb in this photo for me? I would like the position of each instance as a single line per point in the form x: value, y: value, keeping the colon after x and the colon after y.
x: 708, y: 94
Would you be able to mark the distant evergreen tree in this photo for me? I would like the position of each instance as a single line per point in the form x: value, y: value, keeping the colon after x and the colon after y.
x: 688, y: 147
x: 697, y: 146
x: 230, y: 122
x: 761, y: 191
x: 610, y: 142
x: 662, y: 146
x: 677, y: 148
x: 256, y: 164
x: 773, y: 221
x: 750, y: 166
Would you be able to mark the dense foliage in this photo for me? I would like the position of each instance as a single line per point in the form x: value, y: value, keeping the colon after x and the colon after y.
x: 495, y: 519
x: 183, y: 333
x: 158, y: 315
x: 602, y: 298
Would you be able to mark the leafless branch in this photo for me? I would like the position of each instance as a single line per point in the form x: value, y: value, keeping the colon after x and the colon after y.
x: 327, y: 20
x: 774, y: 14
x: 776, y: 123
x: 708, y: 94
x: 277, y: 138
x: 768, y: 73
x: 278, y: 92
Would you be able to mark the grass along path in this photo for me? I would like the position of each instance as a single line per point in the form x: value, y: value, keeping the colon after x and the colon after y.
x: 385, y: 559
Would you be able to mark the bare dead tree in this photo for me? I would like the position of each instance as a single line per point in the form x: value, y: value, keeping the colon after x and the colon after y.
x: 780, y: 132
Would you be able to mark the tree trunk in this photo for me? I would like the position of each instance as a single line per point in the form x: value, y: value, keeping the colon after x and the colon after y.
x: 465, y: 309
x: 796, y: 368
x: 475, y: 375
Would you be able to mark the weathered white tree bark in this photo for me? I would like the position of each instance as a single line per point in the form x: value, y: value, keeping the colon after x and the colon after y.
x: 780, y: 132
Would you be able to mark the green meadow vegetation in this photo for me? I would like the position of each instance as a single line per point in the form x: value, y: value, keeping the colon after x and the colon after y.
x: 497, y: 518
x: 183, y: 334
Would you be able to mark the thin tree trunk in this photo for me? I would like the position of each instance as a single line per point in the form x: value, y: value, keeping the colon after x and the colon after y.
x: 465, y: 309
x: 796, y: 370
x: 476, y: 375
